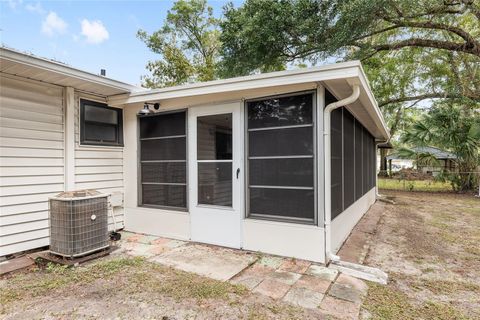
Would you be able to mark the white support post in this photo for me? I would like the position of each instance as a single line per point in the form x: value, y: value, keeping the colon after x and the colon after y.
x: 69, y: 130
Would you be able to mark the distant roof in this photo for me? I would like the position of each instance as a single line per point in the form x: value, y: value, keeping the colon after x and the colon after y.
x: 436, y: 152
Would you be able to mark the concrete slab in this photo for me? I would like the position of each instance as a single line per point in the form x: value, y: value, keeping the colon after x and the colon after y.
x: 15, y: 264
x: 322, y: 272
x: 272, y: 288
x: 216, y: 263
x: 313, y: 283
x: 304, y: 298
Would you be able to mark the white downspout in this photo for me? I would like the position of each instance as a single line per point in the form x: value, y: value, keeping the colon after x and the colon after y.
x: 327, y: 166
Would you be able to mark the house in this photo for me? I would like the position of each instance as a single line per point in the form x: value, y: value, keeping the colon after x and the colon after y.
x: 282, y: 162
x: 445, y: 161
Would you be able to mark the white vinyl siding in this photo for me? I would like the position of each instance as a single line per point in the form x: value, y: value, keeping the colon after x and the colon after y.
x: 98, y: 167
x: 31, y: 161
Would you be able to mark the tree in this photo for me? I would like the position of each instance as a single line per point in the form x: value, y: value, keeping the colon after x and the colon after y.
x: 188, y: 45
x: 414, y: 51
x: 454, y: 128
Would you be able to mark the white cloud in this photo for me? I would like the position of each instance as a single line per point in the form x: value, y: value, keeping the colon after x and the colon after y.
x: 37, y: 8
x: 94, y: 31
x: 53, y: 24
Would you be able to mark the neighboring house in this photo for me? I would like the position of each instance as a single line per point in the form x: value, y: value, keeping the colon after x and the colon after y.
x: 445, y: 161
x: 243, y: 162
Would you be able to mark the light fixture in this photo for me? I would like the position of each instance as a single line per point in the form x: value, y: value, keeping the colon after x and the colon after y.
x: 146, y: 110
x: 156, y: 106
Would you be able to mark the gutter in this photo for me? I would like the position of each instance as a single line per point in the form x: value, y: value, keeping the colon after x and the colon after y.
x: 328, y: 164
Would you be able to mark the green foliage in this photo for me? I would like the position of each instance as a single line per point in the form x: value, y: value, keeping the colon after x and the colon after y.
x: 411, y: 50
x: 188, y: 45
x: 455, y: 128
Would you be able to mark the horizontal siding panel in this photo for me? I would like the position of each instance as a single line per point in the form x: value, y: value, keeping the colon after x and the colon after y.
x: 31, y: 152
x: 27, y: 198
x: 98, y: 177
x: 23, y: 227
x: 94, y: 170
x: 103, y: 154
x: 30, y: 171
x: 25, y: 180
x: 23, y: 208
x: 30, y: 162
x: 23, y: 218
x: 28, y: 92
x: 32, y: 115
x: 25, y: 245
x: 24, y: 236
x: 27, y: 107
x: 98, y: 162
x: 31, y: 134
x: 30, y: 143
x: 111, y: 189
x: 25, y: 190
x: 30, y: 125
x: 99, y: 184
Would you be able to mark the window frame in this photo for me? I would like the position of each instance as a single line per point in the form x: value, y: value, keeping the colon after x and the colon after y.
x: 139, y: 164
x: 267, y: 217
x: 118, y: 126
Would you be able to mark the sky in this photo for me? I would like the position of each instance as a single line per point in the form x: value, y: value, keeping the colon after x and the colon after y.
x: 89, y: 35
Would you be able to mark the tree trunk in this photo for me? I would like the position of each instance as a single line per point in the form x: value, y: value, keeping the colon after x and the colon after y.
x: 383, y: 162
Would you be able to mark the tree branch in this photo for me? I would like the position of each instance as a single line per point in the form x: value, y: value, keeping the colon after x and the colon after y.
x: 434, y: 95
x: 428, y: 43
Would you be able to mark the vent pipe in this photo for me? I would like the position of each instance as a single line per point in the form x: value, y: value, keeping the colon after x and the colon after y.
x: 103, y: 72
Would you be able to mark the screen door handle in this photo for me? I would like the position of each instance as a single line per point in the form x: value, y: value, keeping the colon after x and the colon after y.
x: 238, y: 172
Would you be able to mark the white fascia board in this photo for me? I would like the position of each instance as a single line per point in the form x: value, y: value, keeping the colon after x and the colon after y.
x: 59, y: 68
x: 317, y: 74
x: 378, y: 118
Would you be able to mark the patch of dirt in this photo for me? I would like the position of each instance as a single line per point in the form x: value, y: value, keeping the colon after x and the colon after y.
x: 121, y: 287
x: 428, y: 244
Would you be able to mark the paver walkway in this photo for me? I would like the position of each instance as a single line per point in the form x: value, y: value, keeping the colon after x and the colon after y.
x: 294, y: 281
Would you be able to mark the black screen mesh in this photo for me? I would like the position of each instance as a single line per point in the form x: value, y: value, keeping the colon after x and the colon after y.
x: 163, y: 165
x: 353, y: 159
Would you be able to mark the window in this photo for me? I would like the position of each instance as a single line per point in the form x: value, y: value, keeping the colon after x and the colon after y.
x: 281, y: 158
x: 163, y: 160
x: 100, y: 124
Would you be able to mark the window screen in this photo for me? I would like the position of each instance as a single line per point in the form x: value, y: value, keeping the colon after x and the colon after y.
x: 281, y: 161
x: 353, y: 159
x: 100, y: 124
x: 163, y: 164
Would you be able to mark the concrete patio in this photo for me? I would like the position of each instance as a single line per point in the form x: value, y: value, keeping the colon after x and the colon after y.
x: 297, y: 282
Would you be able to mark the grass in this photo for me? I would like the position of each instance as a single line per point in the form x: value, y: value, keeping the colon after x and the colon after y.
x: 414, y: 185
x: 384, y: 302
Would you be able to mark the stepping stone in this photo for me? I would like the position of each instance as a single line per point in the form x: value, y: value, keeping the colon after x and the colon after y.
x: 313, y: 283
x: 353, y: 283
x: 345, y: 292
x: 271, y: 261
x: 248, y: 281
x: 294, y: 265
x: 304, y: 298
x: 272, y: 288
x: 322, y: 272
x: 285, y: 277
x: 340, y: 309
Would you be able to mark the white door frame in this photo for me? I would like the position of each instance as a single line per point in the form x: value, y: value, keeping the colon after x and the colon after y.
x: 216, y: 224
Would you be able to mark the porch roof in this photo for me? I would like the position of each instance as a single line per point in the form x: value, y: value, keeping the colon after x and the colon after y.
x: 337, y: 78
